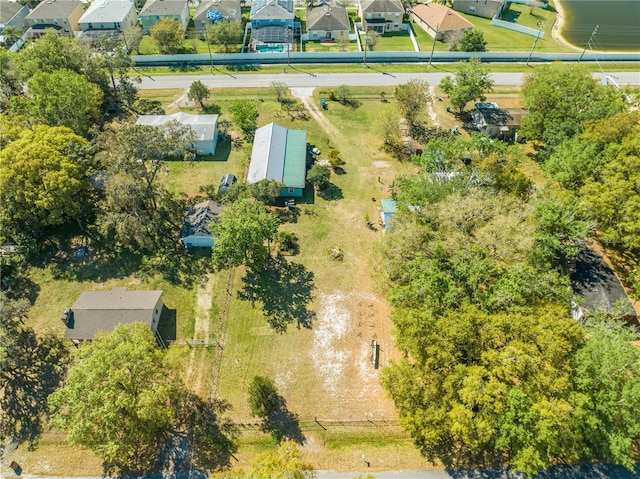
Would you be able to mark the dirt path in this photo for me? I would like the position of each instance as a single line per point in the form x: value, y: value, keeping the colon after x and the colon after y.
x: 201, y: 330
x: 318, y: 116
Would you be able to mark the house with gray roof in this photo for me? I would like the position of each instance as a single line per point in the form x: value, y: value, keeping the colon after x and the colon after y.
x: 204, y: 128
x: 227, y: 9
x: 157, y: 10
x: 480, y: 8
x: 272, y: 25
x: 12, y: 14
x: 279, y: 154
x: 108, y: 17
x: 60, y: 15
x: 97, y: 311
x: 195, y: 227
x: 381, y: 15
x: 328, y: 21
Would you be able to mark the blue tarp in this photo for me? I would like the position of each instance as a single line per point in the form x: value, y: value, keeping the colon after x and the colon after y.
x: 214, y: 15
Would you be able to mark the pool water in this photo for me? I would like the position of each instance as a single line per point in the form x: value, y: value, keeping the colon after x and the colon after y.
x: 270, y: 48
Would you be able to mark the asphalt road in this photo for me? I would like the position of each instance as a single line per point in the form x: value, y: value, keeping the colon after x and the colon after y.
x: 297, y: 78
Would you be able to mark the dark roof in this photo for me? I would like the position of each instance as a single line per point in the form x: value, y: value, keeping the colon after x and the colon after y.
x: 328, y: 17
x: 163, y: 7
x: 199, y: 217
x: 230, y: 9
x: 54, y: 9
x: 271, y: 9
x: 103, y: 310
x: 382, y: 6
x: 597, y: 284
x: 511, y: 117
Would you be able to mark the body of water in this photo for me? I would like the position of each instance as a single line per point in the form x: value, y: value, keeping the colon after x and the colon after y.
x: 618, y: 23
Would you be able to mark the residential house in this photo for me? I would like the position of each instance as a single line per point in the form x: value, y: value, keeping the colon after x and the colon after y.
x: 220, y: 10
x: 97, y: 311
x: 329, y: 21
x: 195, y: 227
x: 381, y: 15
x: 279, y: 154
x: 204, y: 128
x: 108, y: 17
x: 480, y: 8
x: 272, y: 25
x: 59, y: 15
x: 496, y: 122
x: 156, y: 10
x: 595, y: 282
x: 439, y: 21
x: 12, y: 14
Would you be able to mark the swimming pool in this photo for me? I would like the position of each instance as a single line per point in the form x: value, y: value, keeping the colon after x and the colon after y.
x: 270, y: 48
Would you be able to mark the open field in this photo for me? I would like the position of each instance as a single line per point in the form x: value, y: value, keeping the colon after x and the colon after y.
x: 323, y: 370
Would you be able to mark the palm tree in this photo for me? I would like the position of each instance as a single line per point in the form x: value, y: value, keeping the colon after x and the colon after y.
x: 11, y: 35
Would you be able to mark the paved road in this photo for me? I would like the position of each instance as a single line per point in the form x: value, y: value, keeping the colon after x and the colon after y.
x: 298, y: 79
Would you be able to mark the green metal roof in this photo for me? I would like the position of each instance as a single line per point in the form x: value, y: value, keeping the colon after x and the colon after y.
x: 295, y: 158
x: 389, y: 206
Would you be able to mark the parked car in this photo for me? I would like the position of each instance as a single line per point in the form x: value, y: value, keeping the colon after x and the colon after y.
x: 225, y: 183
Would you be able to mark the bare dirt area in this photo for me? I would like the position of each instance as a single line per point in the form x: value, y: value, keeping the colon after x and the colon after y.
x: 317, y: 115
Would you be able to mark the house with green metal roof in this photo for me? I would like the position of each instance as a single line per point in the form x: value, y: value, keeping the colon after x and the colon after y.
x: 279, y: 154
x: 389, y: 209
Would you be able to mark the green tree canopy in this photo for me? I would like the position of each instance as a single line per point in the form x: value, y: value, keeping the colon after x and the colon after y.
x: 198, y: 92
x: 266, y: 191
x: 226, y: 34
x: 472, y: 82
x: 412, y: 98
x: 42, y: 178
x: 560, y: 97
x: 244, y: 114
x: 241, y: 233
x: 473, y: 41
x: 319, y: 176
x: 167, y: 34
x: 61, y: 98
x: 264, y: 398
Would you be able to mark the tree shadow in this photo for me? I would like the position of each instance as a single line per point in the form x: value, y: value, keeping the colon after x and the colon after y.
x: 288, y: 215
x: 211, y: 109
x: 285, y: 289
x: 331, y: 193
x: 167, y: 326
x: 283, y: 424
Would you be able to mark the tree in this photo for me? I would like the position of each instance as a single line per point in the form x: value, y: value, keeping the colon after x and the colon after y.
x: 453, y: 38
x: 285, y: 463
x: 167, y: 34
x: 281, y: 90
x: 264, y: 398
x: 132, y: 37
x: 560, y: 97
x: 266, y: 191
x: 198, y: 92
x: 137, y: 211
x: 226, y: 34
x: 11, y: 35
x: 371, y: 39
x: 412, y: 98
x: 120, y: 399
x: 244, y: 114
x: 389, y: 128
x: 31, y: 368
x: 42, y: 181
x: 343, y: 94
x: 112, y: 55
x: 61, y: 98
x: 10, y: 84
x: 343, y: 41
x: 484, y: 388
x: 241, y: 233
x: 471, y: 82
x: 318, y: 176
x: 473, y: 41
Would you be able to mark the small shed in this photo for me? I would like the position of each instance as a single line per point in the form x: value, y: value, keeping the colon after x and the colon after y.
x: 498, y: 123
x: 195, y: 227
x: 389, y: 209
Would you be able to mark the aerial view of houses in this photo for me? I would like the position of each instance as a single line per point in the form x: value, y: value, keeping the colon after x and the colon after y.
x: 235, y: 262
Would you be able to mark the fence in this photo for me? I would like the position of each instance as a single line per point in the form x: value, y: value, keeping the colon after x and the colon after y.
x: 517, y: 28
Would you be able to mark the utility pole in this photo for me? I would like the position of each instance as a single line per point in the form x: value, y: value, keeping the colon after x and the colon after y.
x: 593, y: 34
x: 433, y: 45
x: 206, y: 36
x: 366, y: 37
x: 540, y: 27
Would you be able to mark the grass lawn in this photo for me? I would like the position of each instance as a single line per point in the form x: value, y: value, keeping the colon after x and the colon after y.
x: 392, y: 42
x: 317, y: 46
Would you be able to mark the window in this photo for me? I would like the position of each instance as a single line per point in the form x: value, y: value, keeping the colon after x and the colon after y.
x: 380, y: 15
x: 55, y: 22
x: 395, y: 25
x: 397, y: 15
x: 368, y: 16
x: 291, y: 190
x: 64, y: 21
x: 472, y: 9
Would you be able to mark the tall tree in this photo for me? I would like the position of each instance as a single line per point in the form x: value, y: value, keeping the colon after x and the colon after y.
x: 226, y: 34
x: 198, y: 92
x: 61, y: 98
x: 472, y: 82
x: 412, y: 98
x: 560, y: 97
x: 266, y: 191
x: 112, y: 55
x: 11, y: 35
x: 371, y: 39
x: 241, y: 233
x: 122, y: 399
x: 31, y: 368
x: 244, y: 114
x: 167, y: 34
x: 473, y: 41
x: 10, y: 84
x: 42, y: 179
